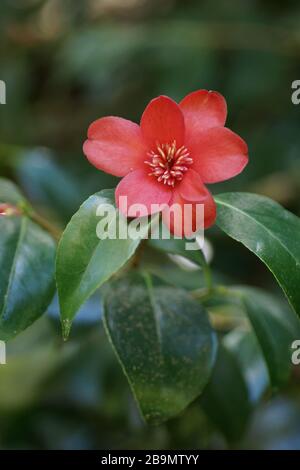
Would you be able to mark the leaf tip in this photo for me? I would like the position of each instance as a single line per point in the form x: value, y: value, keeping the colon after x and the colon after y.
x: 66, y: 325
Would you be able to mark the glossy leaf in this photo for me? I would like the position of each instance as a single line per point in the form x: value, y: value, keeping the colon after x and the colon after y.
x: 226, y: 399
x: 269, y: 231
x: 244, y: 345
x: 27, y: 257
x: 165, y: 344
x: 84, y: 261
x: 275, y: 327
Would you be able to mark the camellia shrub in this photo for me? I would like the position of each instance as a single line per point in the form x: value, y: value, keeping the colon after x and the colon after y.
x: 166, y: 324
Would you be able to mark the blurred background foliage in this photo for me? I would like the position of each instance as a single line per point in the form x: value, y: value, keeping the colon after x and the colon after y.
x: 66, y: 64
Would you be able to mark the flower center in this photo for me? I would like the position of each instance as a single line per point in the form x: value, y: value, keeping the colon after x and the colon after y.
x: 169, y: 163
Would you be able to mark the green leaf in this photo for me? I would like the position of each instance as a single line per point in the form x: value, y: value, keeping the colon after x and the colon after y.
x: 33, y: 358
x: 244, y: 345
x: 164, y: 343
x: 161, y: 266
x: 10, y: 193
x: 226, y: 399
x: 181, y: 247
x: 85, y: 262
x: 275, y: 327
x: 269, y: 231
x: 27, y: 258
x: 58, y: 187
x: 48, y: 184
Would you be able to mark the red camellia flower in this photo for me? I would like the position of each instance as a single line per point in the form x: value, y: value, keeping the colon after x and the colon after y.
x: 171, y: 155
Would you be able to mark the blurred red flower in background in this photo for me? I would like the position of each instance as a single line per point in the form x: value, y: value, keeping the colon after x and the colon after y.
x: 8, y: 209
x: 170, y: 157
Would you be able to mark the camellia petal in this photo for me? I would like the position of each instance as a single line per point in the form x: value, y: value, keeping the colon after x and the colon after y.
x: 115, y: 145
x: 184, y: 218
x: 203, y: 109
x: 162, y: 122
x: 218, y: 154
x: 137, y: 188
x: 192, y: 187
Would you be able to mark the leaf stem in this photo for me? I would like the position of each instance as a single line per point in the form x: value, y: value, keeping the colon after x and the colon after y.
x: 45, y: 224
x: 148, y: 280
x: 224, y: 323
x: 208, y: 292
